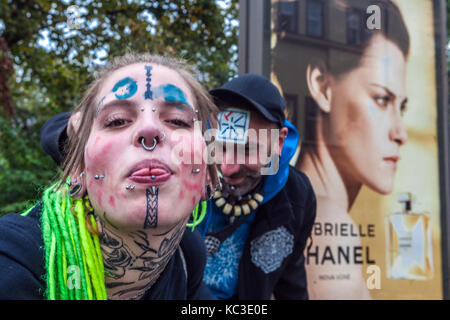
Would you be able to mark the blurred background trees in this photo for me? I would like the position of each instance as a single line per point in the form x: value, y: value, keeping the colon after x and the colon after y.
x: 50, y: 50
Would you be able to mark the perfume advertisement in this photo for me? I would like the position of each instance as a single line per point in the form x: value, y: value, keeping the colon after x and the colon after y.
x: 359, y: 79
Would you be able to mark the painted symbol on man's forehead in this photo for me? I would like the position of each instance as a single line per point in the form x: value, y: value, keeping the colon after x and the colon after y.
x: 233, y: 126
x: 125, y: 88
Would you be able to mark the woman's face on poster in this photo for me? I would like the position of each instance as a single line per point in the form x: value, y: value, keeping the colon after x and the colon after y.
x: 365, y: 129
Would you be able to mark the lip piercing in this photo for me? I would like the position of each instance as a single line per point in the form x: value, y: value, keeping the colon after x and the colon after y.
x: 96, y: 177
x: 196, y: 170
x: 232, y: 188
x: 130, y: 187
x: 155, y: 142
x: 153, y: 177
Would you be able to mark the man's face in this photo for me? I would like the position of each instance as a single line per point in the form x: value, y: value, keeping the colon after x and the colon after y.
x: 242, y: 164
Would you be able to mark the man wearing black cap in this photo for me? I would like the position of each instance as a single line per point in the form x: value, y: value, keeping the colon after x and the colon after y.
x: 259, y: 222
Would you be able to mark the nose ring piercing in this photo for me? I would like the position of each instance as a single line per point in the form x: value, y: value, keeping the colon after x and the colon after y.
x: 155, y: 142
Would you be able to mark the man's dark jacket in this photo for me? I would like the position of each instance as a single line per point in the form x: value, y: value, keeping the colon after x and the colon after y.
x: 293, y: 209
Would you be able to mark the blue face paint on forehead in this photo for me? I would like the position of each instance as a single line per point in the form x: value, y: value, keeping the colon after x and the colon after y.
x: 170, y: 93
x: 125, y: 88
x: 148, y: 93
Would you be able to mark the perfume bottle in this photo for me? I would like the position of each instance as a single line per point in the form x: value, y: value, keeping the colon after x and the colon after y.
x: 409, y: 247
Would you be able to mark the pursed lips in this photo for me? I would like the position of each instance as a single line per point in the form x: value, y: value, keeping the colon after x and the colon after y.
x: 150, y: 172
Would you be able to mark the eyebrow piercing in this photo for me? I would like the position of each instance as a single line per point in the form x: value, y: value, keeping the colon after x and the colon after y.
x: 96, y: 177
x: 130, y: 187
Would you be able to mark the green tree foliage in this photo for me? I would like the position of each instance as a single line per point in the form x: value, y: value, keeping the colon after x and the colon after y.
x: 52, y: 65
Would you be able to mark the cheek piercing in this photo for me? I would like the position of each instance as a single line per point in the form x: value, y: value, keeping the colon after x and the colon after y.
x: 129, y: 187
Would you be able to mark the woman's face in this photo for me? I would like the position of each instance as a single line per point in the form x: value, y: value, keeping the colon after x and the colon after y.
x: 131, y: 187
x: 365, y: 128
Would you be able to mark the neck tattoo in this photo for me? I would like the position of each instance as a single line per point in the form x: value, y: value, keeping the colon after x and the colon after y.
x: 134, y: 261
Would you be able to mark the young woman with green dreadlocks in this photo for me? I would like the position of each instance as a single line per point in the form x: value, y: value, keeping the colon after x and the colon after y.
x: 114, y: 225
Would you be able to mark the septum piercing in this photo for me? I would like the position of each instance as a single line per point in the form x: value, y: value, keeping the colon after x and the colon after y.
x: 155, y: 142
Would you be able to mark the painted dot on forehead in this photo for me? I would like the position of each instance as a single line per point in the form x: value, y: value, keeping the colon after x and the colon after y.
x: 125, y: 88
x: 170, y: 93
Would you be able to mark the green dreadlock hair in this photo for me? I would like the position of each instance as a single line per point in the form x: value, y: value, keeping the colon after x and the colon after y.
x: 70, y: 245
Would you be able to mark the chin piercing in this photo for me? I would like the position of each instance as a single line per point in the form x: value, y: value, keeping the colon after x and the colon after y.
x: 155, y: 142
x: 130, y: 187
x: 196, y: 170
x: 96, y: 177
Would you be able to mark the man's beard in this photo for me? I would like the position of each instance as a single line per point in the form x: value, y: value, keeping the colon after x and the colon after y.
x: 252, y: 179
